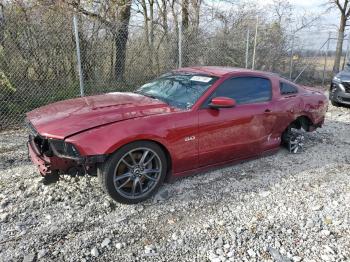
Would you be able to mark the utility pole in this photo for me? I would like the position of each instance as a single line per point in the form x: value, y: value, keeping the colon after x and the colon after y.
x: 255, y: 40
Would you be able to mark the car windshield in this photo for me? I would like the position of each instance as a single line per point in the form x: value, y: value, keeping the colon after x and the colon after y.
x: 179, y: 90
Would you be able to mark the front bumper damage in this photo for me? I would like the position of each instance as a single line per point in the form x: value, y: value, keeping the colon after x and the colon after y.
x: 49, y: 165
x: 52, y: 162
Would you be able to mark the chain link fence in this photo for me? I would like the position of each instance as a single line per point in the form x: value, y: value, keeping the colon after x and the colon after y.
x: 38, y: 55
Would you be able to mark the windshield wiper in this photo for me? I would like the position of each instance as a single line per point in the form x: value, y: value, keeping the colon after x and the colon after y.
x: 152, y: 96
x: 145, y: 94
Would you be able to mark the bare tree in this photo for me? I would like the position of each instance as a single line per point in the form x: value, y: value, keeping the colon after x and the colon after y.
x: 190, y: 19
x: 196, y: 11
x: 344, y: 9
x: 163, y: 12
x: 185, y: 23
x: 115, y: 15
x: 147, y: 10
x: 5, y: 85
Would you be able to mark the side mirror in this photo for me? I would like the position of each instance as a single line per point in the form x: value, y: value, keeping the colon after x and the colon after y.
x: 222, y: 102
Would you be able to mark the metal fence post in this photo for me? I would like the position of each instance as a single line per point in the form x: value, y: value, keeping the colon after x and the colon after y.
x: 80, y: 71
x: 325, y: 59
x: 180, y: 43
x: 247, y: 49
x: 255, y: 39
x: 291, y: 58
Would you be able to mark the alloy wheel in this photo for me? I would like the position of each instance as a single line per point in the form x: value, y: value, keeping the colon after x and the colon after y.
x: 295, y: 140
x: 137, y: 173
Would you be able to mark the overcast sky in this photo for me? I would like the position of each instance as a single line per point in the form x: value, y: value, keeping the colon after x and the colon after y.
x: 329, y: 19
x: 313, y: 38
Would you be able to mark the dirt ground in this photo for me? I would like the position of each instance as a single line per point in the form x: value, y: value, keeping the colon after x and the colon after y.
x: 279, y: 208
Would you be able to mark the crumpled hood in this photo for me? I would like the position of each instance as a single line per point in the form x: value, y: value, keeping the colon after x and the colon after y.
x: 65, y: 118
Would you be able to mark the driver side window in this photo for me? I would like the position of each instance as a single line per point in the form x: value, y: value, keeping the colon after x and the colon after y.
x: 245, y: 90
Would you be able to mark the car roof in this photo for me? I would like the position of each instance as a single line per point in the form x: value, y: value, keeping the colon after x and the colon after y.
x: 220, y: 71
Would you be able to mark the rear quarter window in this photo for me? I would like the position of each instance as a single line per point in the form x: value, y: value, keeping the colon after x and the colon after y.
x: 287, y: 89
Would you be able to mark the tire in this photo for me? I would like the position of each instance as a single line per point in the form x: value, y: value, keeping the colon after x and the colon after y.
x: 293, y: 139
x: 131, y: 175
x: 334, y: 103
x: 51, y: 178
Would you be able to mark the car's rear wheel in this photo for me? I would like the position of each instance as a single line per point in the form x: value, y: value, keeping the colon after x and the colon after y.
x: 293, y: 139
x: 134, y: 173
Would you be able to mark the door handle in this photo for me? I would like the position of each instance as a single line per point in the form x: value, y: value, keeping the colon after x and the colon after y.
x: 268, y: 111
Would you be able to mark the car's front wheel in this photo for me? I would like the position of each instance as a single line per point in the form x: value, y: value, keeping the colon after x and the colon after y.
x: 134, y: 172
x: 334, y: 103
x: 332, y: 96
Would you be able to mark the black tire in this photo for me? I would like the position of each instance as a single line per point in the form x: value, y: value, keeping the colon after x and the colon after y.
x: 52, y: 178
x: 334, y: 103
x: 107, y: 172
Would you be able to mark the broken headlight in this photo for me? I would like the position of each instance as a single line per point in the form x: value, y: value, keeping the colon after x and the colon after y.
x: 63, y: 148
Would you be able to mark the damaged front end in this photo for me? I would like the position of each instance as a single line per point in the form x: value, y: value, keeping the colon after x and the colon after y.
x: 53, y: 156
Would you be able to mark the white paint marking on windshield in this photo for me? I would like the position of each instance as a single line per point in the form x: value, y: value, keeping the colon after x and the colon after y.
x: 203, y: 79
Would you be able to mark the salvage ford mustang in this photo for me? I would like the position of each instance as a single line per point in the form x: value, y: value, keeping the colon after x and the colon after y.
x: 183, y: 122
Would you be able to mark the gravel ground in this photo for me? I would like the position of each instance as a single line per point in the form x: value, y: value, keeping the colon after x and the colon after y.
x: 278, y: 208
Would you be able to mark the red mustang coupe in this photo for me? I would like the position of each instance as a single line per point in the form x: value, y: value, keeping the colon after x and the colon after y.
x: 183, y: 122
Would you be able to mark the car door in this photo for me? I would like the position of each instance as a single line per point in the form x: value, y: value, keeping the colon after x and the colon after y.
x: 238, y: 132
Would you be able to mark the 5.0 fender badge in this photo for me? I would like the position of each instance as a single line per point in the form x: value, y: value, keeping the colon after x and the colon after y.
x: 189, y: 138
